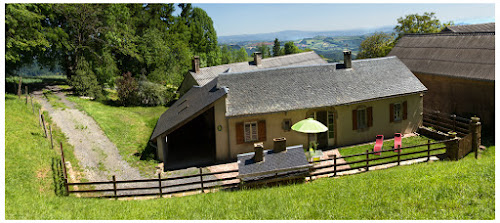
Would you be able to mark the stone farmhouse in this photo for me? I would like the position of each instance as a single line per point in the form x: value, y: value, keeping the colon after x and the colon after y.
x: 356, y: 100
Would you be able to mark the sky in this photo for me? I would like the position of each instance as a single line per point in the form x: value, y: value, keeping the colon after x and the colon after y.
x: 237, y: 19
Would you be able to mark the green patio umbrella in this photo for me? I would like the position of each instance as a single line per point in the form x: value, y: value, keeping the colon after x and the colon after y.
x: 309, y: 126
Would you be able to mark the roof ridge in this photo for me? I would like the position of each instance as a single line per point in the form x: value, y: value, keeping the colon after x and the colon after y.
x: 483, y: 33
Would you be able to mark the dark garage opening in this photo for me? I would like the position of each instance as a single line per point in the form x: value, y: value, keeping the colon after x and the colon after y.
x: 193, y: 144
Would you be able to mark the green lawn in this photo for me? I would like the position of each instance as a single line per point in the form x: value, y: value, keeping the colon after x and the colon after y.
x: 389, y: 144
x: 129, y: 128
x: 462, y: 189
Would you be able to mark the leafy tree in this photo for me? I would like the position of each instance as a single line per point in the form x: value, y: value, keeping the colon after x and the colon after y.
x: 264, y: 49
x: 126, y: 88
x: 377, y: 45
x: 290, y: 48
x: 227, y: 56
x: 24, y: 37
x: 415, y: 23
x: 276, y: 48
x: 203, y: 36
x: 240, y: 55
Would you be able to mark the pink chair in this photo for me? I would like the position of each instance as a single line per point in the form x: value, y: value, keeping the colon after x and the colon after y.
x: 379, y: 142
x: 397, y: 142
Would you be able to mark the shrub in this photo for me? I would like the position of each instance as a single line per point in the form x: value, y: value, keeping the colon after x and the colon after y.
x: 126, y: 88
x: 84, y: 81
x: 153, y: 94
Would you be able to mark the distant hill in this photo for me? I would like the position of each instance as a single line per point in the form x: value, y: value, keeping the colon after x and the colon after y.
x: 296, y: 34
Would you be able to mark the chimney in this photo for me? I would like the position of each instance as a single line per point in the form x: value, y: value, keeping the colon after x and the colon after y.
x: 347, y: 59
x: 279, y: 144
x: 196, y: 64
x: 257, y: 58
x: 259, y: 152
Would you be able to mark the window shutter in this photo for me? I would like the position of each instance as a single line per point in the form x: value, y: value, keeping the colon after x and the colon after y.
x: 405, y: 110
x: 369, y: 114
x: 391, y: 113
x: 240, y: 135
x: 354, y: 119
x: 262, y: 130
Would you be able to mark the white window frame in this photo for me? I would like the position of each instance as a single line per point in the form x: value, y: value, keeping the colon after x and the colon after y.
x: 398, y: 112
x: 251, y: 131
x: 362, y: 119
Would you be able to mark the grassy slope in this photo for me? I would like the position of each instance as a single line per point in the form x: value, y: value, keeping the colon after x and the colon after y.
x: 439, y: 190
x: 129, y: 128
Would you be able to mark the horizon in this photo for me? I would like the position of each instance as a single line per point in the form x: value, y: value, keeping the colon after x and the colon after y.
x: 250, y: 19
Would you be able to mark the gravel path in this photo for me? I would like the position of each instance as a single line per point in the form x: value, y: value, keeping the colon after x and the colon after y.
x: 97, y: 155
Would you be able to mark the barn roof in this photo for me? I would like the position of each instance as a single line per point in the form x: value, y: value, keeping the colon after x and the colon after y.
x: 190, y: 105
x: 301, y: 87
x: 207, y: 74
x: 463, y: 55
x: 484, y: 27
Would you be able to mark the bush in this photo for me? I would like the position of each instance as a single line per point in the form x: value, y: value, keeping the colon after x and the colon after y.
x: 152, y: 94
x: 126, y: 88
x: 84, y: 81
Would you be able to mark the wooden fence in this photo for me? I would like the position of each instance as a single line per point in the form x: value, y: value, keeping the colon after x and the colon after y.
x: 446, y: 122
x: 400, y: 158
x: 197, y: 183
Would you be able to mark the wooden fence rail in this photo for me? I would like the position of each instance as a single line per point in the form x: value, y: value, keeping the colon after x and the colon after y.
x: 202, y: 185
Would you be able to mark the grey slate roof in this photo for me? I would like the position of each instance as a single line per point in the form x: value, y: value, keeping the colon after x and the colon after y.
x: 301, y: 87
x: 207, y: 74
x: 464, y: 55
x: 187, y: 106
x: 291, y: 160
x: 484, y: 27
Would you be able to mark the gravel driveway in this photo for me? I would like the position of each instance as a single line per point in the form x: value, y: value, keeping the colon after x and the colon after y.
x: 97, y: 155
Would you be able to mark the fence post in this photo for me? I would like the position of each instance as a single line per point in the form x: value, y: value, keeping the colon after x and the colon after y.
x: 475, y: 130
x: 51, y: 141
x: 367, y: 160
x: 428, y: 150
x: 44, y: 129
x: 40, y: 117
x: 399, y: 155
x: 159, y: 185
x: 335, y: 165
x: 65, y: 174
x: 201, y: 180
x: 19, y: 87
x: 26, y: 92
x: 114, y: 187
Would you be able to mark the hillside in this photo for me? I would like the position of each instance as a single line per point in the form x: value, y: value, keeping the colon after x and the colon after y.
x: 463, y: 189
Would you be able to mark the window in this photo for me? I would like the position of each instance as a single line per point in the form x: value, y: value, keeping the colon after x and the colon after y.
x: 287, y: 124
x: 398, y: 112
x: 330, y: 125
x: 251, y: 132
x: 361, y: 118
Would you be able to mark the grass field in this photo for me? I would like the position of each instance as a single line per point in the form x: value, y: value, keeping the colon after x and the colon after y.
x: 389, y: 144
x: 129, y: 128
x: 462, y: 189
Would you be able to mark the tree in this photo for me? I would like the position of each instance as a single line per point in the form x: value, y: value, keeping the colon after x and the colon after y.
x: 377, y: 45
x: 264, y: 50
x: 276, y: 48
x: 24, y: 38
x: 226, y: 55
x: 290, y: 48
x: 415, y: 23
x: 203, y: 36
x: 240, y: 55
